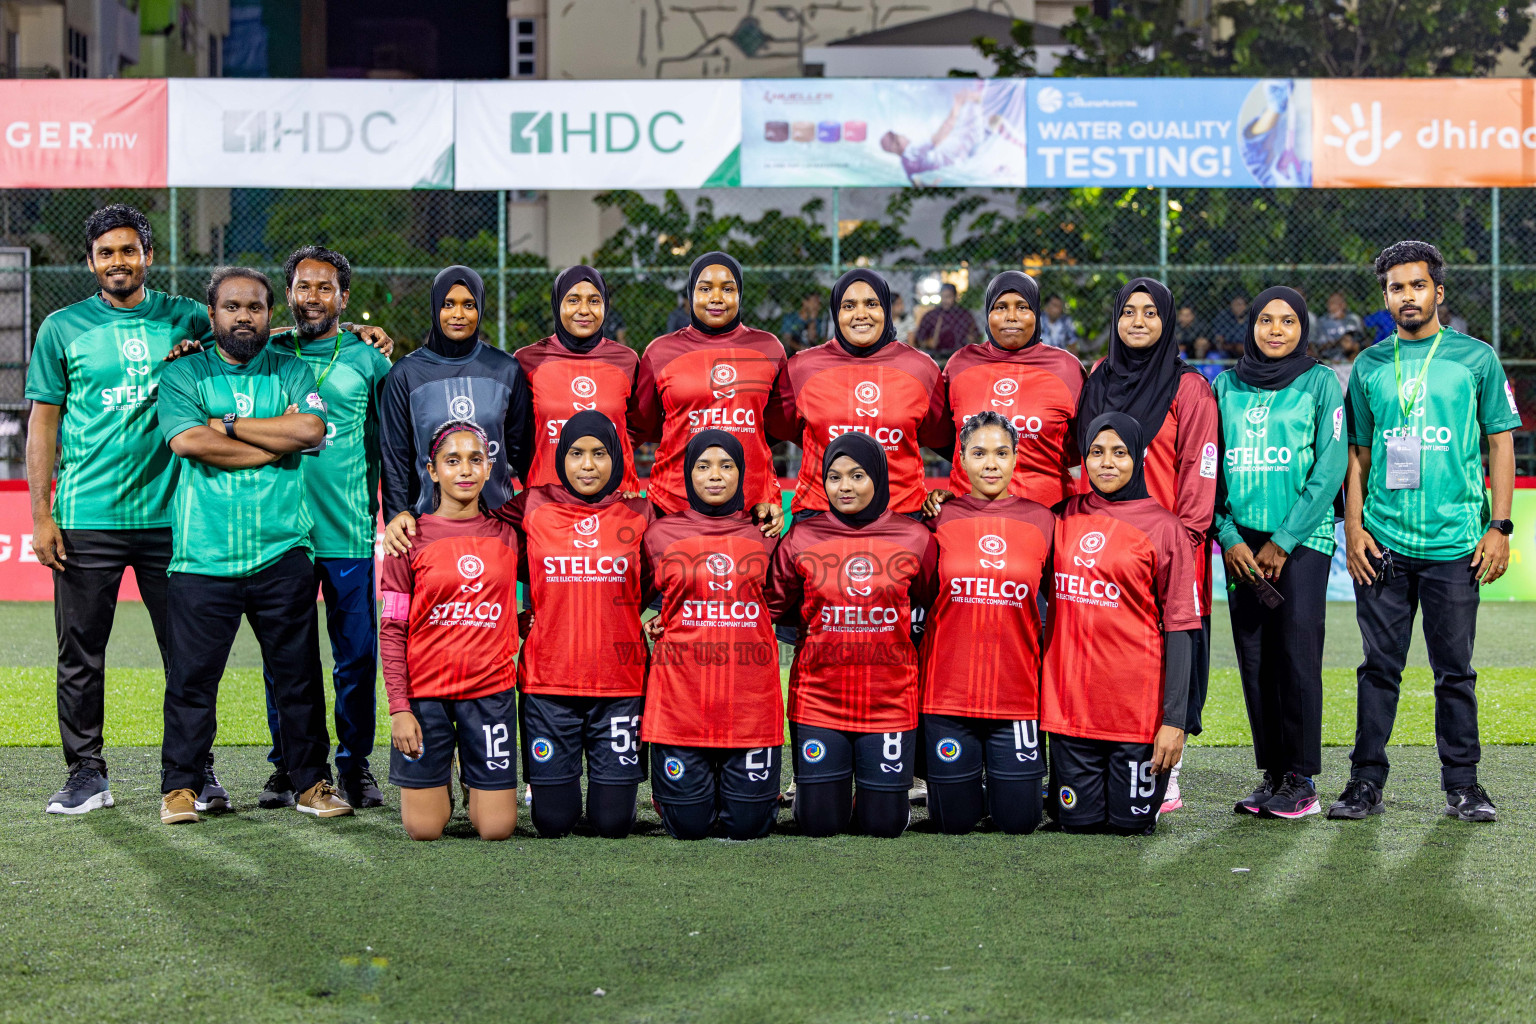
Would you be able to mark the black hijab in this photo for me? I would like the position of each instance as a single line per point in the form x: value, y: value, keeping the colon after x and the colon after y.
x: 1002, y: 284
x: 714, y: 259
x: 569, y: 278
x: 866, y: 451
x: 442, y: 284
x: 697, y: 446
x: 1260, y: 371
x: 1138, y: 382
x: 591, y: 423
x: 883, y: 293
x: 1130, y: 432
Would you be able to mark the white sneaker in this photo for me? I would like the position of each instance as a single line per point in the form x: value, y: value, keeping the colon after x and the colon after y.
x: 918, y: 794
x: 1173, y: 799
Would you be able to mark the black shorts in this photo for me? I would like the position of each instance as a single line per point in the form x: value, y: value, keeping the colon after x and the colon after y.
x: 482, y: 730
x: 696, y: 775
x: 1094, y: 782
x: 558, y: 730
x: 875, y: 760
x: 958, y: 748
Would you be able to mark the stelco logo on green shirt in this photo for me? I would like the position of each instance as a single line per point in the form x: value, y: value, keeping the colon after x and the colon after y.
x: 1432, y: 438
x: 534, y: 131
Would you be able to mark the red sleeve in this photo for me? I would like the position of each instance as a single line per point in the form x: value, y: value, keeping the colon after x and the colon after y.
x: 925, y: 585
x: 1178, y: 587
x: 1196, y: 466
x: 645, y: 403
x: 395, y: 585
x: 785, y: 589
x: 781, y: 421
x: 936, y: 431
x: 515, y: 513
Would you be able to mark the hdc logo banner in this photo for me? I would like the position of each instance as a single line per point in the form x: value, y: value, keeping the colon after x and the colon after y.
x: 82, y: 134
x: 1440, y: 133
x: 598, y: 134
x: 311, y: 134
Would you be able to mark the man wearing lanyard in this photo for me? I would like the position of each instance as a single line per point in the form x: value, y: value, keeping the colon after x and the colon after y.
x: 341, y: 487
x: 1418, y: 528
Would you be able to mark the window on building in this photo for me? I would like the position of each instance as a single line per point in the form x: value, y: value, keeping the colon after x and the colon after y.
x: 525, y: 46
x: 79, y: 54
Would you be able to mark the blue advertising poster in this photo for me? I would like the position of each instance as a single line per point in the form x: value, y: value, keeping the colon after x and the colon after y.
x: 827, y: 131
x: 1226, y: 132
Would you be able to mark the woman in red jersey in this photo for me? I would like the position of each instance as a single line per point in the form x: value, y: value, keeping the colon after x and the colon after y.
x: 577, y: 369
x: 582, y: 670
x: 862, y: 380
x: 1033, y: 386
x: 850, y: 580
x: 714, y: 712
x: 981, y: 643
x: 715, y: 373
x: 1123, y: 622
x: 1144, y: 378
x: 448, y: 638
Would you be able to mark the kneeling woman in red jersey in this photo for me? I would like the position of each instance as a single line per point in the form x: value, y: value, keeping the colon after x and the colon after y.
x: 714, y: 712
x: 981, y: 643
x: 449, y: 637
x: 582, y: 671
x: 1123, y: 621
x: 850, y: 580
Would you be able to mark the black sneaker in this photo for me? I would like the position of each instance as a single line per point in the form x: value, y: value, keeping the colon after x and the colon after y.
x: 1468, y: 803
x: 361, y: 790
x: 1296, y: 798
x: 212, y: 798
x: 1251, y: 803
x: 1361, y: 798
x: 278, y: 792
x: 85, y: 790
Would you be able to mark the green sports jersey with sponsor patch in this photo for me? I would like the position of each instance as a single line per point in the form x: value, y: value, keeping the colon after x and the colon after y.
x: 342, y: 482
x: 1283, y: 459
x: 235, y: 522
x: 1464, y: 395
x: 102, y: 366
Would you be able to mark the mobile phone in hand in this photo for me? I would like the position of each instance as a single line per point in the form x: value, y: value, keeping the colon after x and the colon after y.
x: 1267, y: 593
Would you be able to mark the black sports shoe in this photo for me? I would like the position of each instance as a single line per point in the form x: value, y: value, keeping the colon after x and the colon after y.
x: 85, y: 790
x: 1469, y: 803
x: 361, y: 790
x: 212, y: 798
x: 278, y: 792
x: 1361, y: 797
x: 1251, y: 803
x: 1296, y: 798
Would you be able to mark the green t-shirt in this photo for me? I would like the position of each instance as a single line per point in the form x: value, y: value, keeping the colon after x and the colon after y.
x: 1283, y: 459
x: 235, y: 522
x: 1466, y: 396
x: 342, y: 482
x: 103, y: 367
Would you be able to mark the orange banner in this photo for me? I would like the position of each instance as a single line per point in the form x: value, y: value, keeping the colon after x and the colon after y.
x: 83, y: 133
x: 1435, y: 133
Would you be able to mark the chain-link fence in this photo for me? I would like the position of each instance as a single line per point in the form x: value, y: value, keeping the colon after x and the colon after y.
x: 1211, y: 246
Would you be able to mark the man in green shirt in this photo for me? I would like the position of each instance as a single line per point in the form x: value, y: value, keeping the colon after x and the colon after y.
x: 238, y: 416
x: 341, y: 485
x: 92, y: 380
x: 1419, y: 529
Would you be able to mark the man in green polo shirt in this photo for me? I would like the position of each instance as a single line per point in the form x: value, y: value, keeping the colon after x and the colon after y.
x: 1419, y: 526
x: 238, y: 416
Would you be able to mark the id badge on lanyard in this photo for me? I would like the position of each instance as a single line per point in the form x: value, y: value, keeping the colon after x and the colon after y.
x: 1405, y: 451
x: 1403, y: 455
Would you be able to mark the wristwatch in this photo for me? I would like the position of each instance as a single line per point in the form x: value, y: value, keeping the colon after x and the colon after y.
x: 1504, y: 526
x: 229, y: 424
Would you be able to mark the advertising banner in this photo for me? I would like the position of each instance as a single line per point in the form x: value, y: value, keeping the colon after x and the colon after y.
x: 250, y: 133
x: 1213, y: 132
x: 82, y: 133
x: 815, y: 131
x: 599, y: 135
x: 1440, y: 133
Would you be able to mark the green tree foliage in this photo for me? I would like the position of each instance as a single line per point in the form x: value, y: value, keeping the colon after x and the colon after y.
x: 1138, y: 38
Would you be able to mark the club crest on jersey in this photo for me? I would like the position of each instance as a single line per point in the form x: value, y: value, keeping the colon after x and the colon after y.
x: 1256, y: 415
x: 541, y: 750
x: 586, y: 528
x: 859, y: 570
x: 1413, y: 395
x: 245, y: 405
x: 583, y: 387
x: 462, y: 407
x: 722, y: 565
x: 1004, y: 388
x: 135, y: 350
x: 1067, y: 797
x: 470, y: 567
x: 721, y: 378
x: 993, y: 545
x: 813, y: 750
x: 866, y: 393
x: 948, y: 749
x: 674, y: 768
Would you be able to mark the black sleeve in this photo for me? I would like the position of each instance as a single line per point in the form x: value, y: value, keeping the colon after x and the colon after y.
x: 517, y: 430
x: 1178, y: 661
x: 397, y: 445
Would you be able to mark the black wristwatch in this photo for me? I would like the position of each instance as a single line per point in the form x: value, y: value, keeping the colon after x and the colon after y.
x: 1504, y: 526
x: 229, y: 424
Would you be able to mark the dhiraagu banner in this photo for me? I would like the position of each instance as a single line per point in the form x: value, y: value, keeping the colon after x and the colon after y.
x: 598, y: 135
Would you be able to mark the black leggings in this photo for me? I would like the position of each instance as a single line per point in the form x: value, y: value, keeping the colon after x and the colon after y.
x: 827, y: 808
x: 957, y: 807
x: 739, y: 819
x: 610, y: 809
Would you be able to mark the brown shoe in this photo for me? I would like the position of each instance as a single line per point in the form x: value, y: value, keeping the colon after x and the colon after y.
x: 177, y: 806
x: 323, y: 800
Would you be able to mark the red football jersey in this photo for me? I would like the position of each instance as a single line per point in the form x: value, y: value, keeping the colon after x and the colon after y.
x: 1182, y: 463
x: 981, y: 639
x: 714, y: 678
x: 852, y: 592
x: 582, y: 566
x: 564, y: 383
x: 449, y: 612
x: 1036, y: 388
x: 690, y: 381
x: 896, y: 396
x: 1123, y: 578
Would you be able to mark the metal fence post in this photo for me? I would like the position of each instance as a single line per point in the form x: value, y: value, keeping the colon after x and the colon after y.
x: 1494, y: 263
x: 175, y: 244
x: 1162, y: 233
x: 837, y: 238
x: 501, y: 268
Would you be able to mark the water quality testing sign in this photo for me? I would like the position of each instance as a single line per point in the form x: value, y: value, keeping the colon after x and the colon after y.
x: 1227, y: 133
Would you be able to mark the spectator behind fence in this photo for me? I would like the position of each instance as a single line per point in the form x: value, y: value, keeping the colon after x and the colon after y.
x: 804, y: 327
x: 678, y: 318
x: 1378, y: 325
x: 1328, y: 331
x: 902, y: 320
x: 1228, y: 329
x: 1190, y: 335
x: 946, y: 328
x: 1056, y: 327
